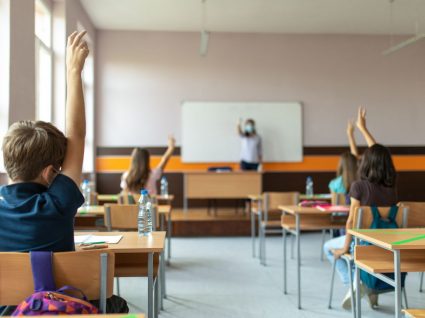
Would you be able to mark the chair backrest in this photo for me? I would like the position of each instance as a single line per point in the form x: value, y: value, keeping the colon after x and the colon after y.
x: 128, y: 198
x: 338, y: 198
x: 416, y: 216
x: 81, y: 270
x: 121, y: 216
x: 363, y: 216
x: 124, y: 216
x: 272, y: 200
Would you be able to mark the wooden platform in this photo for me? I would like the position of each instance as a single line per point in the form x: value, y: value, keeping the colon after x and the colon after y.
x: 197, y: 222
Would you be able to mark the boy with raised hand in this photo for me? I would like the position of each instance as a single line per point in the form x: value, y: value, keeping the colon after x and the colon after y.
x: 44, y: 166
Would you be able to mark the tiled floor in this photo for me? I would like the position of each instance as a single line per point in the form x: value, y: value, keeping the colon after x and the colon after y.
x: 217, y: 277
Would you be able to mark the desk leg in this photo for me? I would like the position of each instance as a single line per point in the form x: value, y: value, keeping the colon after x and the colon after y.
x: 397, y: 278
x: 260, y: 249
x: 285, y: 290
x: 163, y: 284
x: 357, y: 286
x: 150, y: 285
x: 169, y: 229
x: 252, y: 232
x: 156, y: 297
x: 297, y: 220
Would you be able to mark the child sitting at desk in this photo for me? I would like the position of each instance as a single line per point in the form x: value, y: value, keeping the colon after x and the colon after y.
x: 375, y: 187
x: 140, y: 176
x: 44, y: 167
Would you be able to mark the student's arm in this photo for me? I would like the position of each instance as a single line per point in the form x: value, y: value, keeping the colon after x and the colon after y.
x: 77, y: 52
x: 260, y: 151
x: 349, y: 225
x: 351, y: 140
x: 167, y: 154
x: 361, y: 124
x: 239, y: 127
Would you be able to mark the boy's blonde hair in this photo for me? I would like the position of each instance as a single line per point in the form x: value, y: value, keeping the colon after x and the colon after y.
x: 31, y: 146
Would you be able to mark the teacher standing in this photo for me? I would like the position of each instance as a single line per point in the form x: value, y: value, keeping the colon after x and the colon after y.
x: 251, y: 148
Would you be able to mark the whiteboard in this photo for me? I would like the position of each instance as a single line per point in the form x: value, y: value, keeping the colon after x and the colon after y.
x: 209, y: 132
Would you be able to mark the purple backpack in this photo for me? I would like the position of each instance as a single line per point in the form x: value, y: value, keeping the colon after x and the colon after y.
x: 46, y: 300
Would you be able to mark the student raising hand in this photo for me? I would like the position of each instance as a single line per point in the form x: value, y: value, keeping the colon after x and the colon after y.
x: 77, y: 52
x: 351, y: 140
x: 361, y: 124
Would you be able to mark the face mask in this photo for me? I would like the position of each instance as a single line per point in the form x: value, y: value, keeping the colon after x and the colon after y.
x: 249, y: 129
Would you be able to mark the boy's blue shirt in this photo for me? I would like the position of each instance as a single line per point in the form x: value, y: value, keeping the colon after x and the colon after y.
x: 36, y: 218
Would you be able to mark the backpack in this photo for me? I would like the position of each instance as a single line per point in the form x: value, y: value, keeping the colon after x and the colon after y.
x: 46, y: 300
x: 381, y: 223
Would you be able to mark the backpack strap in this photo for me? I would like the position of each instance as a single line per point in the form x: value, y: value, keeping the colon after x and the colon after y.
x: 392, y: 215
x: 376, y: 216
x: 42, y: 271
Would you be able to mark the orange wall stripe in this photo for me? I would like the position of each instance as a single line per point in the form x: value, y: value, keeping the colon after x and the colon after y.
x: 111, y: 164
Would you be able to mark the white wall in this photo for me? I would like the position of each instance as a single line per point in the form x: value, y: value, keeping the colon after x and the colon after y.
x: 144, y: 76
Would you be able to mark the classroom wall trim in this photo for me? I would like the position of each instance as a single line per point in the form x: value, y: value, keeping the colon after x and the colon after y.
x: 319, y: 162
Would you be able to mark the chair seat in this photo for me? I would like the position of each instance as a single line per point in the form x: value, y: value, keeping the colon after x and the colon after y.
x: 290, y: 226
x: 273, y: 223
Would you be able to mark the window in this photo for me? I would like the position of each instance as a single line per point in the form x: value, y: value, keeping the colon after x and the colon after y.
x: 44, y: 60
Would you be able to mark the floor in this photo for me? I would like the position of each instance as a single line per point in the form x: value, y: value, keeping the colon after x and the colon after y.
x: 217, y: 277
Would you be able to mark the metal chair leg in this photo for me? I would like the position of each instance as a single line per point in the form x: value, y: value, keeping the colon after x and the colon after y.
x: 421, y: 282
x: 405, y: 298
x: 332, y: 285
x: 350, y: 278
x: 292, y: 247
x: 285, y: 291
x: 323, y: 243
x: 117, y: 281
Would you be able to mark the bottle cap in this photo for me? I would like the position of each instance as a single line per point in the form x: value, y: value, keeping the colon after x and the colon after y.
x: 144, y: 192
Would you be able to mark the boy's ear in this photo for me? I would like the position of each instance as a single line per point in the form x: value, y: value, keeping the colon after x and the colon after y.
x: 48, y: 174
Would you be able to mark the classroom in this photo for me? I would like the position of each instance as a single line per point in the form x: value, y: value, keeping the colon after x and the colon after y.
x: 210, y: 158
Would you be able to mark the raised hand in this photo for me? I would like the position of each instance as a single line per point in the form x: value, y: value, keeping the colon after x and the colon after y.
x: 361, y: 118
x: 76, y: 52
x: 350, y: 127
x: 171, y: 142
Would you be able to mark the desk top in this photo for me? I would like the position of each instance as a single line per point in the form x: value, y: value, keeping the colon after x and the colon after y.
x: 99, y: 210
x: 132, y: 243
x: 393, y: 239
x: 415, y: 313
x: 255, y: 197
x: 296, y: 209
x: 114, y: 197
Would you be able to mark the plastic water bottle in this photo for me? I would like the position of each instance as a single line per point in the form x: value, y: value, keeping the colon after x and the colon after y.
x: 86, y: 189
x: 164, y: 186
x: 144, y: 220
x: 309, y: 187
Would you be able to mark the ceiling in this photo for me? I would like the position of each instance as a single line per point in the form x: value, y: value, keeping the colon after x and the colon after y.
x: 267, y: 16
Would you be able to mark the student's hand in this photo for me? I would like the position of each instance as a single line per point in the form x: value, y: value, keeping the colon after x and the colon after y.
x: 76, y: 52
x: 339, y: 252
x: 171, y: 142
x: 350, y: 128
x: 361, y: 118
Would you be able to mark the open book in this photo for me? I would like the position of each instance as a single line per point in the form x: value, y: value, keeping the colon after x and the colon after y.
x: 97, y: 239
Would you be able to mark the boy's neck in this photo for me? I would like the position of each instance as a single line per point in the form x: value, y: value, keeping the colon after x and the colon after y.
x: 38, y: 180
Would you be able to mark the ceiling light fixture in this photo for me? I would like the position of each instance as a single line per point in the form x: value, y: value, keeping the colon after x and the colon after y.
x: 405, y: 43
x: 205, y: 35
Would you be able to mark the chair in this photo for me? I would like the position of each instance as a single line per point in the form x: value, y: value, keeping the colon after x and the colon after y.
x: 270, y: 216
x: 128, y: 198
x: 416, y: 219
x: 124, y: 217
x: 96, y: 281
x: 363, y: 219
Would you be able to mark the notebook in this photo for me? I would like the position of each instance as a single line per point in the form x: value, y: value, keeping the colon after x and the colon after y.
x: 334, y: 208
x: 90, y: 239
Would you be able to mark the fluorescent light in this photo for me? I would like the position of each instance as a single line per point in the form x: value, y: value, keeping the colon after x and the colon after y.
x: 204, y: 43
x: 403, y: 44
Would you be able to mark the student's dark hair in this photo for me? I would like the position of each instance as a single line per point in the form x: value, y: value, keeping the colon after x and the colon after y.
x: 377, y: 166
x: 254, y: 131
x: 347, y: 169
x: 139, y: 170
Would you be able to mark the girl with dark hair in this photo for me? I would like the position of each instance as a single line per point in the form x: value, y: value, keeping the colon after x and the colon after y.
x: 377, y: 186
x: 140, y: 176
x: 251, y: 150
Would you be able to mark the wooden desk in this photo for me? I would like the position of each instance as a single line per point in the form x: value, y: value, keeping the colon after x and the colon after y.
x: 414, y: 313
x: 296, y: 218
x: 392, y: 251
x: 164, y: 213
x: 220, y: 185
x: 107, y: 198
x: 132, y: 244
